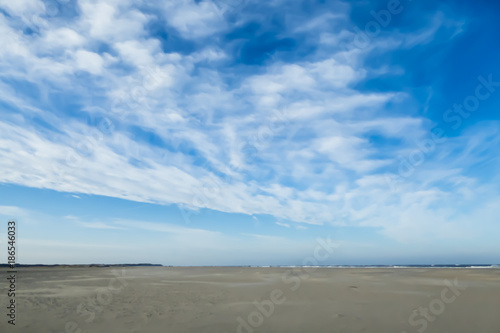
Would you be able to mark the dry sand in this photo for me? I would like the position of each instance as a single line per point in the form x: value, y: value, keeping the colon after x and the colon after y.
x: 169, y: 299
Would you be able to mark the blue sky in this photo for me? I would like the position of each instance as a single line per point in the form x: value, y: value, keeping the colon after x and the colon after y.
x: 238, y: 132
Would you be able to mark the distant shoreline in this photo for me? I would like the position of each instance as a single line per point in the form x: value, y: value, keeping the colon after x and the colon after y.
x: 260, y: 266
x: 83, y: 265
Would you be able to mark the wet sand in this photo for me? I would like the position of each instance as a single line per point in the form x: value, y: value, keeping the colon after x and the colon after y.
x: 172, y: 299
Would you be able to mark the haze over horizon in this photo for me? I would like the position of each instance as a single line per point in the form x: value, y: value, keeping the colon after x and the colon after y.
x: 234, y: 132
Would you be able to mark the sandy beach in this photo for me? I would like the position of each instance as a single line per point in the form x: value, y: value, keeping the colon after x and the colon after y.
x: 210, y: 299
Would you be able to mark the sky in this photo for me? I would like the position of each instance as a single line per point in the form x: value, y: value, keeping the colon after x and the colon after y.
x: 245, y: 132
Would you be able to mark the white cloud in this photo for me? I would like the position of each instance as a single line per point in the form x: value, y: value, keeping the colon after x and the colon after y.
x: 23, y: 7
x: 193, y: 19
x: 111, y: 21
x: 61, y: 38
x: 12, y: 212
x: 98, y: 225
x: 89, y: 61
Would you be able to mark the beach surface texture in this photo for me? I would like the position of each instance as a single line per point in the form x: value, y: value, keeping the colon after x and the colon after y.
x: 253, y: 299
